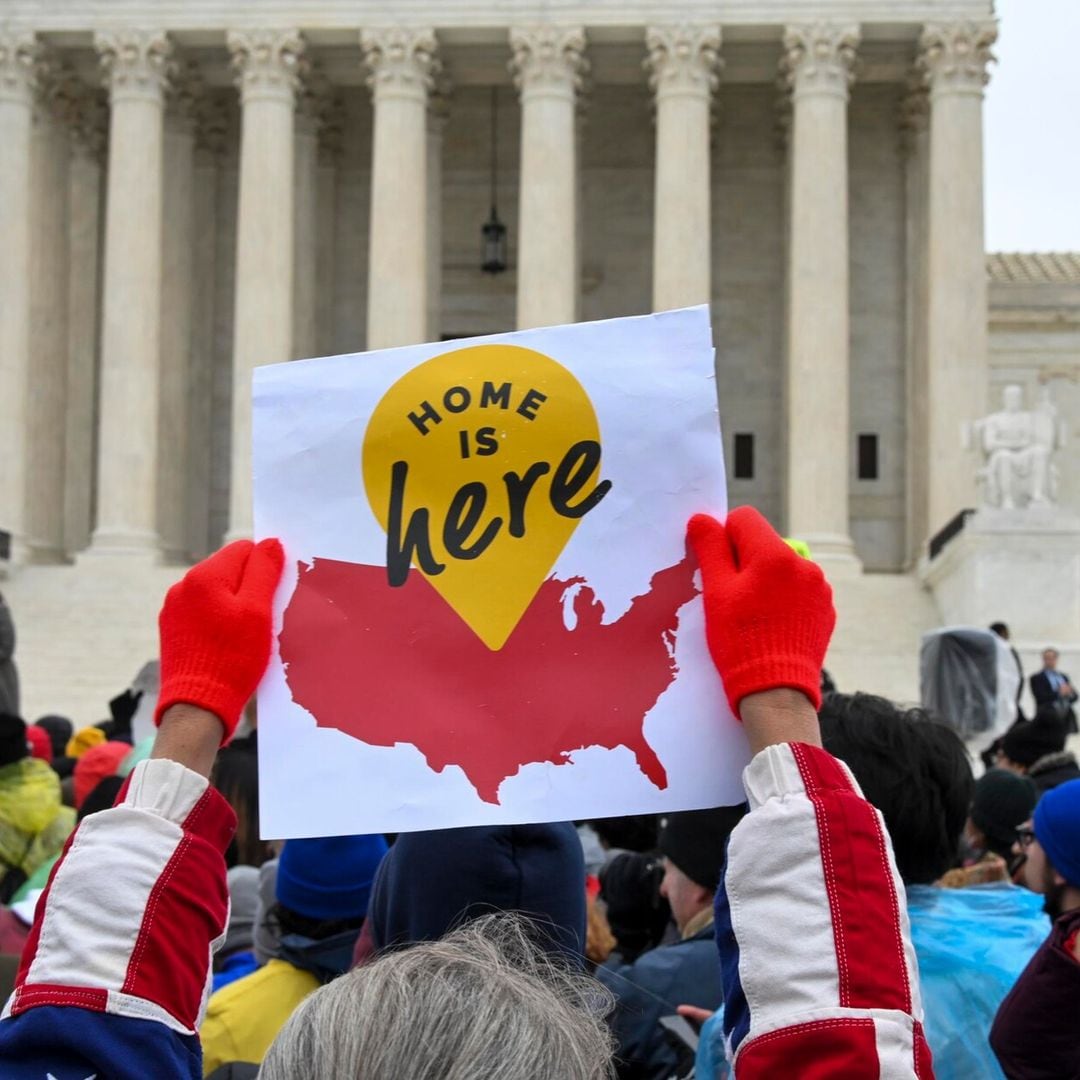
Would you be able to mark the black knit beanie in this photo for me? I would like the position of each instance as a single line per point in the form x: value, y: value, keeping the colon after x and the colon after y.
x: 696, y: 840
x: 1002, y: 801
x: 1030, y: 740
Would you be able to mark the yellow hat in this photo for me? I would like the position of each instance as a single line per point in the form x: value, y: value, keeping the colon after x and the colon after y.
x: 82, y: 740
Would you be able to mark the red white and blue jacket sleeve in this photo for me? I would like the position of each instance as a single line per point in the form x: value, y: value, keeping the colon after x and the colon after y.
x: 116, y: 972
x: 820, y: 977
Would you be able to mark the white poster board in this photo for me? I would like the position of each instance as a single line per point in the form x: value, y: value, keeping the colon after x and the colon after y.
x: 488, y: 613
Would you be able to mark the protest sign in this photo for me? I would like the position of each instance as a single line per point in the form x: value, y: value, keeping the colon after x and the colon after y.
x: 488, y: 613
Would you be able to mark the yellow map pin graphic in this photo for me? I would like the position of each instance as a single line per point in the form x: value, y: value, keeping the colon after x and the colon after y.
x: 479, y: 464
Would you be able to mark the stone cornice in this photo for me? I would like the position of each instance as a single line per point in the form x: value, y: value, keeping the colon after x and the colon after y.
x: 953, y: 57
x: 401, y: 62
x: 1034, y: 268
x: 136, y: 65
x: 683, y: 59
x: 548, y: 60
x: 346, y: 16
x: 268, y: 63
x: 819, y: 58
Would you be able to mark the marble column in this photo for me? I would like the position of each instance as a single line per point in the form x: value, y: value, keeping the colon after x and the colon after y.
x: 212, y: 130
x: 310, y: 103
x: 684, y: 65
x: 402, y: 67
x: 269, y: 64
x: 548, y: 65
x: 177, y: 268
x: 331, y: 145
x: 436, y: 130
x: 817, y: 67
x: 914, y: 140
x: 137, y: 67
x: 46, y: 416
x: 953, y: 58
x: 85, y: 219
x: 18, y: 75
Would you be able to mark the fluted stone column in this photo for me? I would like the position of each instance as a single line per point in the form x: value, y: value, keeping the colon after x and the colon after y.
x: 548, y: 65
x: 49, y: 260
x: 311, y: 101
x: 174, y: 443
x: 817, y: 65
x: 137, y: 67
x: 436, y: 130
x: 953, y: 59
x: 86, y: 209
x: 684, y: 65
x: 269, y: 65
x: 212, y: 129
x: 331, y: 145
x: 402, y: 66
x: 18, y: 74
x: 914, y: 138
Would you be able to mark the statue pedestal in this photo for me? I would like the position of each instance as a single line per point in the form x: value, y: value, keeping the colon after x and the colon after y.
x: 1020, y: 567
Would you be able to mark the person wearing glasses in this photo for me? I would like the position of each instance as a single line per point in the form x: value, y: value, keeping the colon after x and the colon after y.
x: 1037, y: 1029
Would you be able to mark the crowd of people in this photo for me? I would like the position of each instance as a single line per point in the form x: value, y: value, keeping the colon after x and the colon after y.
x: 872, y: 909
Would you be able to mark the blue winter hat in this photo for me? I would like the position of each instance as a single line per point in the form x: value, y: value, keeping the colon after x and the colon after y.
x: 329, y: 877
x: 1057, y: 828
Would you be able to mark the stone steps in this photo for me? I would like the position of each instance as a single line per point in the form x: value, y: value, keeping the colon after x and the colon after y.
x: 880, y: 619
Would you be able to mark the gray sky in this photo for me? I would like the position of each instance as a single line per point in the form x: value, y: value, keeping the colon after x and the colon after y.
x: 1032, y: 129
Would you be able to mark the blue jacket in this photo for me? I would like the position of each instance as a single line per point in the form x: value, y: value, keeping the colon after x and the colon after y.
x: 971, y: 944
x: 683, y: 973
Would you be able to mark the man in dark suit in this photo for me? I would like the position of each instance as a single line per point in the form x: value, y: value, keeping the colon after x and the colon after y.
x: 1053, y: 692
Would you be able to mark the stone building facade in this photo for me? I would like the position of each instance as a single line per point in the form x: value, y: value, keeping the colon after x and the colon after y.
x: 190, y: 189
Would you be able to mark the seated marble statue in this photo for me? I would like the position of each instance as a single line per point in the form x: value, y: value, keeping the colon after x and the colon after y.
x: 1018, y: 444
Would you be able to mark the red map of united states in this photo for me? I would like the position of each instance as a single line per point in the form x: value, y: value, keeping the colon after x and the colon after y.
x: 397, y: 665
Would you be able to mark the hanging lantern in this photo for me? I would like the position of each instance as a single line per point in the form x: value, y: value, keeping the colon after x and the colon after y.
x: 493, y: 258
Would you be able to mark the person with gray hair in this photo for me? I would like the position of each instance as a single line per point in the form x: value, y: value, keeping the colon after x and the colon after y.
x: 486, y: 1001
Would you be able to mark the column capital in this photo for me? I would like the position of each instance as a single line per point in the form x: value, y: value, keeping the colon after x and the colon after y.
x: 212, y: 125
x: 819, y: 58
x: 401, y: 62
x: 57, y: 90
x: 184, y: 96
x: 90, y: 122
x: 548, y: 60
x: 953, y: 57
x: 439, y: 101
x: 19, y: 58
x: 914, y: 113
x: 312, y: 97
x: 136, y: 65
x: 269, y: 64
x: 332, y: 122
x: 683, y: 59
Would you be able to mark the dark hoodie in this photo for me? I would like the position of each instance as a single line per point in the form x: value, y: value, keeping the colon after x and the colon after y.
x: 430, y: 882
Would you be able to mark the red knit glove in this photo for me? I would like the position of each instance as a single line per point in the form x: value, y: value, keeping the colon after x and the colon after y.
x: 768, y: 612
x: 216, y: 627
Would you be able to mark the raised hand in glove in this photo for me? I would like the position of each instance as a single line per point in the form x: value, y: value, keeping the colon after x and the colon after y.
x: 768, y: 611
x: 216, y: 629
